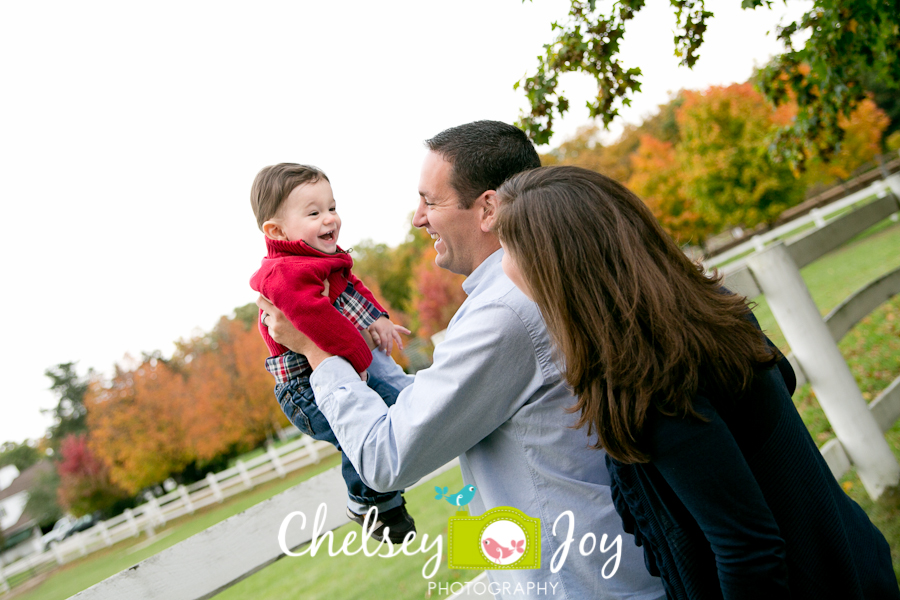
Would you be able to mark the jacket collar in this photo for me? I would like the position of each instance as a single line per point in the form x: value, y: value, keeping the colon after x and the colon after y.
x: 280, y: 248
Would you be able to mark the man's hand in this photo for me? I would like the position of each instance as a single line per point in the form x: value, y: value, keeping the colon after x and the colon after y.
x: 284, y: 332
x: 385, y: 333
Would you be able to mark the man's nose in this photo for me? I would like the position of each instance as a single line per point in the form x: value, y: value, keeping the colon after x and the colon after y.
x: 419, y: 217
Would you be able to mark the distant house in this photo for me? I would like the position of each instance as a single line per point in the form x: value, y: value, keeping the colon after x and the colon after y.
x: 17, y: 526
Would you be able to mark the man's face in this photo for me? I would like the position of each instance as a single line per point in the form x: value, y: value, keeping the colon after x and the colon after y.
x: 456, y: 231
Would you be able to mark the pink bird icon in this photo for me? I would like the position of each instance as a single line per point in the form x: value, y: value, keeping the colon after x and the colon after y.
x: 498, y: 552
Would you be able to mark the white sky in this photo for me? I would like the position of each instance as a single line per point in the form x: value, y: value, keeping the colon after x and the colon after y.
x: 130, y: 134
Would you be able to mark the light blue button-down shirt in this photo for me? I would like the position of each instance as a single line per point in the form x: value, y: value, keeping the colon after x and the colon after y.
x: 494, y: 397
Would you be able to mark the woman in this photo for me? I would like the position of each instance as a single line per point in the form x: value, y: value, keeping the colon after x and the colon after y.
x: 712, y: 467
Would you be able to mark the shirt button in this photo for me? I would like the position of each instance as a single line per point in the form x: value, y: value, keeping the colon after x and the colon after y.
x: 318, y: 389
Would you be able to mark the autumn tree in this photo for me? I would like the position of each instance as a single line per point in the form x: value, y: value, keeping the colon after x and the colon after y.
x: 137, y: 424
x: 391, y: 269
x: 726, y: 168
x: 614, y: 159
x: 188, y: 414
x: 845, y: 40
x: 232, y: 408
x: 656, y: 178
x: 438, y: 295
x: 85, y: 484
x: 863, y: 131
x: 717, y: 173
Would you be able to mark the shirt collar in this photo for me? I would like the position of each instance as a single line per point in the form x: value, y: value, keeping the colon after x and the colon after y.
x: 482, y: 271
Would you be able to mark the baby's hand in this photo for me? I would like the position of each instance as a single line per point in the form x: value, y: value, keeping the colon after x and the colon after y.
x: 384, y: 333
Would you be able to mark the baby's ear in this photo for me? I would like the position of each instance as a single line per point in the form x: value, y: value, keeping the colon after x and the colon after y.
x: 273, y: 230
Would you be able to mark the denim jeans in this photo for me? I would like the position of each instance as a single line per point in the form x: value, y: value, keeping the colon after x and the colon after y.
x: 299, y: 406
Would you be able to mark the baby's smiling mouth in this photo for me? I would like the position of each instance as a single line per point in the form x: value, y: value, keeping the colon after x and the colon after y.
x: 328, y: 237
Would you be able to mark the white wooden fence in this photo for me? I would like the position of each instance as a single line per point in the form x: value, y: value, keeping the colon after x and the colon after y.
x: 775, y: 272
x: 181, y: 501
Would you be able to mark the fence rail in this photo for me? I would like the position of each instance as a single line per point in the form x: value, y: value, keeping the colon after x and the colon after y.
x: 155, y: 513
x: 817, y: 207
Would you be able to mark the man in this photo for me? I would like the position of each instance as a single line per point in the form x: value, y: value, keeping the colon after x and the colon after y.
x: 494, y: 396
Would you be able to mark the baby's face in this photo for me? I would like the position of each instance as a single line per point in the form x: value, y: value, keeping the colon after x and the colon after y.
x: 309, y: 214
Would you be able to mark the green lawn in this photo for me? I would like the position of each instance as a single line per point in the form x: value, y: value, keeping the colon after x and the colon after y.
x: 321, y: 576
x: 349, y: 577
x: 80, y: 574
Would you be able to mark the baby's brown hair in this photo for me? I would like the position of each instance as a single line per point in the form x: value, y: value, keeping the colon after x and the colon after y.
x: 275, y: 183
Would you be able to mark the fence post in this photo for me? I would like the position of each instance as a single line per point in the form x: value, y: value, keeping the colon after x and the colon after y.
x: 104, y: 532
x: 186, y: 498
x: 214, y: 486
x: 758, y: 243
x: 157, y: 511
x: 129, y: 516
x: 816, y: 351
x: 276, y: 461
x: 893, y: 182
x: 245, y: 476
x: 818, y: 219
x: 82, y: 545
x: 57, y: 553
x: 311, y: 448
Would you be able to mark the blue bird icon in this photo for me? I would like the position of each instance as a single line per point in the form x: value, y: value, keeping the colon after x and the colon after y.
x: 460, y: 498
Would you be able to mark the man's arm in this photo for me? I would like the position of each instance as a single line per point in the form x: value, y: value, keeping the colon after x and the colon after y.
x: 483, y: 372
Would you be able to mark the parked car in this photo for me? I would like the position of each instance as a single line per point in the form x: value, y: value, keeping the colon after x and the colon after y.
x: 80, y: 524
x: 60, y: 528
x: 67, y: 527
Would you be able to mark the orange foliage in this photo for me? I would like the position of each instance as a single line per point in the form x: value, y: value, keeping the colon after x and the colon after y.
x: 137, y: 426
x: 862, y: 139
x: 718, y: 173
x: 656, y: 180
x: 213, y: 397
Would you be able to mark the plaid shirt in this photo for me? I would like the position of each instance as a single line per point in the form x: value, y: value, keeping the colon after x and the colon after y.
x: 352, y: 305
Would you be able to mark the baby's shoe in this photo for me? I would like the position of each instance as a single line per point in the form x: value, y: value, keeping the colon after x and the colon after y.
x: 397, y: 520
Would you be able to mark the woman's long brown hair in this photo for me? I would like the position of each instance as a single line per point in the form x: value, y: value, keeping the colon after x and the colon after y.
x: 639, y: 325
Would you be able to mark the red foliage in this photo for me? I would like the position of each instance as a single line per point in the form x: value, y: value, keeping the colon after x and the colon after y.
x: 85, y: 485
x: 438, y: 294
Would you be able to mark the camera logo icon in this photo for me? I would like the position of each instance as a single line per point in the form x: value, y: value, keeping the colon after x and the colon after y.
x: 502, y: 538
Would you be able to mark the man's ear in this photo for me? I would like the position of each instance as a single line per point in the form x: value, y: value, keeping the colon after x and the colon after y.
x: 273, y: 230
x: 487, y: 203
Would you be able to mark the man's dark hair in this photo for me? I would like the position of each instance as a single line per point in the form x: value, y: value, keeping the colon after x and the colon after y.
x: 484, y: 154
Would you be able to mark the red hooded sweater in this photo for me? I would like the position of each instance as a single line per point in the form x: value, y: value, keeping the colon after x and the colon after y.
x: 291, y: 277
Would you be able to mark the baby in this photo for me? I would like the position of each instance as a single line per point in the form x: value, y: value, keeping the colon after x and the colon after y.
x: 307, y: 276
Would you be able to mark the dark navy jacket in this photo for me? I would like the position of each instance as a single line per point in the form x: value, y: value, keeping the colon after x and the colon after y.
x: 744, y: 505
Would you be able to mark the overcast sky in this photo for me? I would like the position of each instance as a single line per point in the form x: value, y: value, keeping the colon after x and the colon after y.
x: 130, y: 135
